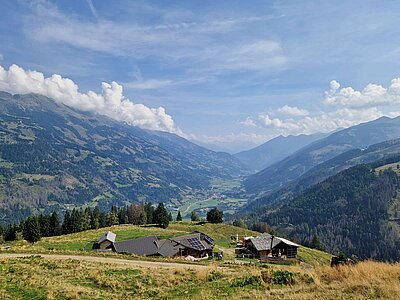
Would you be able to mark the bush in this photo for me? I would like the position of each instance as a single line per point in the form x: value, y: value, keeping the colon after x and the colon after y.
x: 282, y: 277
x: 247, y: 280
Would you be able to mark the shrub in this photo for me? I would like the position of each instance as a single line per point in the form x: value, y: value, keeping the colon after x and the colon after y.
x: 282, y: 277
x: 247, y: 280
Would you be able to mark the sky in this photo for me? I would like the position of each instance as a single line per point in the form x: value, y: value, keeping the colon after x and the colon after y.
x: 229, y: 75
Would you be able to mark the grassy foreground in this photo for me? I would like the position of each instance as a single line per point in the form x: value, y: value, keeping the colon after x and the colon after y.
x: 38, y: 278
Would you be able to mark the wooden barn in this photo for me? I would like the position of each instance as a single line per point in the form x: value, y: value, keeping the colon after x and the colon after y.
x: 197, y: 244
x: 106, y: 240
x: 267, y: 245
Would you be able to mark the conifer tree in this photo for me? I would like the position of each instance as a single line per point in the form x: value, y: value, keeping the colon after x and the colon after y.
x: 161, y: 216
x: 95, y: 218
x: 179, y: 217
x: 54, y: 224
x: 31, y: 230
x: 67, y: 223
x: 44, y: 223
x: 149, y: 209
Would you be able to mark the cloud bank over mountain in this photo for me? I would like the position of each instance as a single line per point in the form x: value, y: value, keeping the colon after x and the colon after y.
x: 111, y: 102
x: 340, y: 108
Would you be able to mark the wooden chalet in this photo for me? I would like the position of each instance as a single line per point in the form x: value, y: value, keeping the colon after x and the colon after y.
x: 268, y: 246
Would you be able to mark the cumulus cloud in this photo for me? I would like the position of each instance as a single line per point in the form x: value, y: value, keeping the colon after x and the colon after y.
x: 371, y: 95
x: 111, y: 102
x: 324, y: 122
x: 293, y: 111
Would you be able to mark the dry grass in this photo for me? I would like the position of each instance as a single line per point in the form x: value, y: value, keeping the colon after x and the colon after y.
x: 38, y: 278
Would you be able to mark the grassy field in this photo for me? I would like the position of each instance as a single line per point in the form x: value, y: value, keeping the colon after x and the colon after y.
x: 312, y: 278
x: 38, y: 278
x: 83, y: 241
x: 394, y: 166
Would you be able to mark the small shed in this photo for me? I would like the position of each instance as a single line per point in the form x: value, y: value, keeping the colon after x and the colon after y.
x: 106, y: 240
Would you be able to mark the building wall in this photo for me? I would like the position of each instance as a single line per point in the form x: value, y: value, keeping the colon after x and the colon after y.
x: 104, y: 245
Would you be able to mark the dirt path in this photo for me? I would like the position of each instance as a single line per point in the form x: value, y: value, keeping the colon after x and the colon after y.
x: 109, y: 260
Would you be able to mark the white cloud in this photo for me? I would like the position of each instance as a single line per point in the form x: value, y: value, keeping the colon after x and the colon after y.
x: 323, y: 122
x: 196, y: 44
x: 147, y: 84
x: 293, y: 111
x: 110, y: 102
x: 371, y: 95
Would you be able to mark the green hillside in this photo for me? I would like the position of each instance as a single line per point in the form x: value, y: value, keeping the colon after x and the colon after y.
x: 53, y: 157
x: 353, y: 211
x: 82, y: 241
x: 388, y: 150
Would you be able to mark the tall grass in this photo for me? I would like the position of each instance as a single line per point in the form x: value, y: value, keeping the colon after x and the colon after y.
x: 38, y: 278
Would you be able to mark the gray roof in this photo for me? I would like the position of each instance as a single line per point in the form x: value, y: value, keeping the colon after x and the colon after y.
x: 263, y: 242
x: 194, y: 241
x: 108, y: 236
x: 168, y: 248
x: 141, y: 246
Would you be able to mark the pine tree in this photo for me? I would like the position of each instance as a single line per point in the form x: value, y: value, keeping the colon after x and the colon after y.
x: 149, y: 209
x: 54, y: 224
x: 1, y: 234
x: 95, y: 218
x: 31, y: 230
x: 179, y: 217
x: 67, y: 223
x: 112, y: 218
x: 161, y: 216
x: 10, y: 233
x: 44, y: 223
x: 170, y: 217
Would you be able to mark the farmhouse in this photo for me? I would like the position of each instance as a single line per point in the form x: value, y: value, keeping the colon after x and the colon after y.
x: 267, y: 245
x: 197, y: 244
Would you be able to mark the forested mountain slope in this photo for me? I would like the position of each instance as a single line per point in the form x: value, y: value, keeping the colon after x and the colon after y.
x: 292, y: 167
x: 275, y: 150
x: 353, y: 211
x: 381, y: 151
x: 53, y: 157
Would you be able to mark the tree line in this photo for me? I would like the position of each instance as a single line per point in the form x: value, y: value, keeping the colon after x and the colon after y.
x: 35, y: 227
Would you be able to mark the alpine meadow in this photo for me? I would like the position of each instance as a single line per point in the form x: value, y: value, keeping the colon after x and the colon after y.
x: 199, y: 149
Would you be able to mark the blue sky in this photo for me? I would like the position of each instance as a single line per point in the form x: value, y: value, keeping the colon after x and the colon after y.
x: 229, y: 74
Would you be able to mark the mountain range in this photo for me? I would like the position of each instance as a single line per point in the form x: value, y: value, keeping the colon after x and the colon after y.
x: 53, y: 157
x: 275, y: 150
x: 292, y: 167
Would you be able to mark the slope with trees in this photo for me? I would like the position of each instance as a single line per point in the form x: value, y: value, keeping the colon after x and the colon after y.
x: 53, y: 157
x: 347, y: 212
x: 278, y: 175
